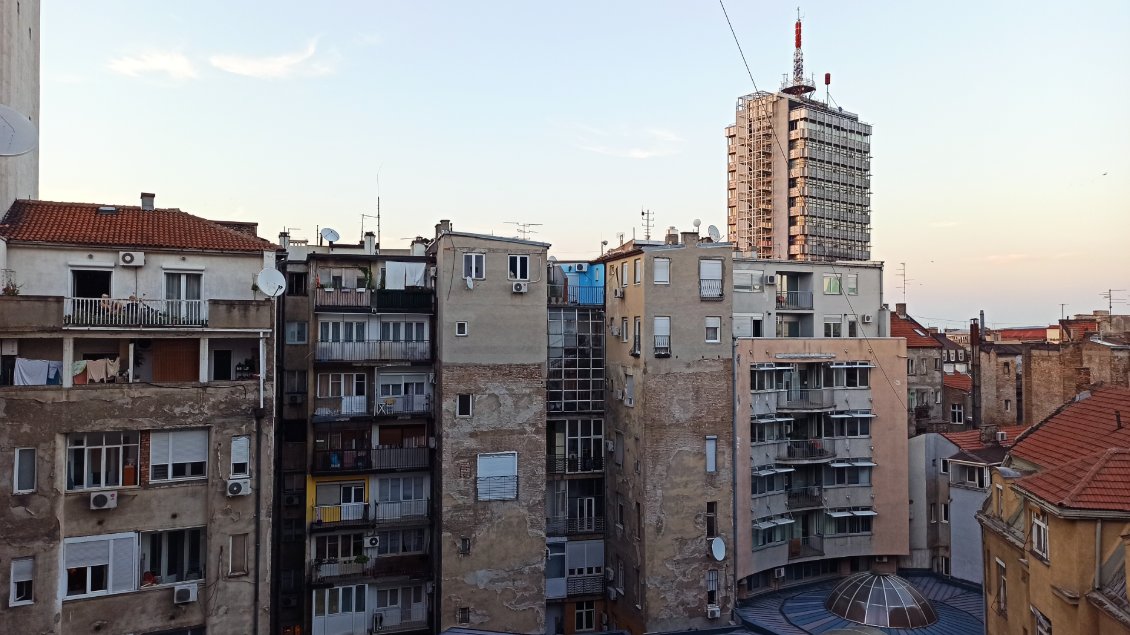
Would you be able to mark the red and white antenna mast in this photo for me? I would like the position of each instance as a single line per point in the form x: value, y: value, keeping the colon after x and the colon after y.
x: 799, y: 85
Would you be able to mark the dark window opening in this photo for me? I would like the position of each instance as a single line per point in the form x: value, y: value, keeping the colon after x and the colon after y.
x: 90, y: 284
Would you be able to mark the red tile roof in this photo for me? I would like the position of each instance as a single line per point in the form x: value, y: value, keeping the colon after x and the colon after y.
x: 129, y: 226
x: 960, y: 381
x: 970, y: 440
x: 1099, y: 481
x: 1079, y: 428
x: 917, y: 336
x: 1034, y: 334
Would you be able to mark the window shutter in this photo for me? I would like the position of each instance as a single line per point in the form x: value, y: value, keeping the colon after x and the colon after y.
x: 22, y: 569
x: 123, y: 567
x: 662, y: 326
x: 241, y: 450
x: 189, y: 446
x: 662, y: 268
x: 87, y: 553
x: 159, y: 448
x: 499, y: 464
x: 710, y: 269
x: 743, y: 326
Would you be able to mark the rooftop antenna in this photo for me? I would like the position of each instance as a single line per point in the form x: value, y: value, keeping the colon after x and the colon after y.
x: 329, y: 235
x: 1110, y: 299
x: 902, y: 274
x: 524, y: 230
x: 378, y: 217
x: 799, y: 87
x: 648, y: 222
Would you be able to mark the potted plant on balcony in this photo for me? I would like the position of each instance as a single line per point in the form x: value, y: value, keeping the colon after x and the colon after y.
x: 11, y: 287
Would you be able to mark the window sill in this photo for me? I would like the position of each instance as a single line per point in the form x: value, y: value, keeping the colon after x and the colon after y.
x: 1039, y: 558
x: 178, y: 481
x: 17, y: 603
x: 112, y: 488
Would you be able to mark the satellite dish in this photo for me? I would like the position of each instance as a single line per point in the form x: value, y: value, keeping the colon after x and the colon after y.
x: 718, y: 549
x: 17, y: 134
x: 330, y: 235
x: 470, y: 282
x: 696, y: 223
x: 712, y: 231
x: 271, y: 282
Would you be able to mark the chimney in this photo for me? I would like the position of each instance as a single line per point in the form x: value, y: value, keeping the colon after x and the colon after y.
x: 419, y: 246
x: 690, y: 238
x: 900, y: 308
x: 443, y: 226
x: 370, y: 243
x: 672, y: 237
x: 284, y: 240
x: 147, y: 201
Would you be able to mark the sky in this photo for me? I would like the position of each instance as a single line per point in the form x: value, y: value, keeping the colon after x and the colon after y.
x: 999, y: 177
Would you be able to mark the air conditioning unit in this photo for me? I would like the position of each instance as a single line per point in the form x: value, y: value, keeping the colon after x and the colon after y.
x: 581, y: 267
x: 614, y: 330
x: 292, y: 500
x: 239, y: 487
x: 779, y: 573
x: 620, y: 394
x: 713, y: 612
x: 103, y: 500
x: 296, y: 399
x: 628, y: 401
x: 609, y: 574
x: 618, y: 292
x: 372, y: 541
x: 880, y: 559
x: 184, y: 593
x: 610, y: 445
x: 520, y: 287
x: 611, y: 594
x: 1002, y: 436
x: 866, y: 318
x: 770, y: 279
x: 131, y: 258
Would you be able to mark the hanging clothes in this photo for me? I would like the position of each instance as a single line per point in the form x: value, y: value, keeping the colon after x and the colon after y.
x: 96, y: 370
x: 112, y: 368
x: 31, y: 372
x: 54, y: 373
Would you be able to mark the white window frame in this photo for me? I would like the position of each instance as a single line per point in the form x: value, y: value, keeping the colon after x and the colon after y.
x: 957, y: 413
x: 236, y: 568
x: 146, y: 557
x: 170, y: 437
x: 1002, y: 586
x: 624, y: 337
x: 945, y: 466
x: 852, y: 284
x: 17, y: 462
x: 297, y: 332
x: 475, y: 266
x: 518, y: 267
x: 716, y: 325
x: 123, y: 451
x: 637, y: 271
x: 18, y: 575
x: 459, y: 402
x: 945, y: 512
x: 711, y: 454
x: 1043, y: 624
x: 511, y: 471
x: 462, y: 329
x: 584, y: 611
x: 1040, y: 533
x: 837, y: 288
x: 240, y: 455
x: 126, y: 569
x: 661, y: 274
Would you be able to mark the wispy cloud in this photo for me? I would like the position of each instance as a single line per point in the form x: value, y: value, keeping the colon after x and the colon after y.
x: 625, y: 143
x: 171, y: 64
x: 1003, y: 258
x: 303, y: 63
x: 943, y: 224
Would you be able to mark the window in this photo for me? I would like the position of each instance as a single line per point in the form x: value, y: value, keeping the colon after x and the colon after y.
x: 1040, y: 533
x: 710, y: 278
x: 172, y: 556
x: 662, y: 273
x: 23, y: 570
x: 1007, y: 405
x: 849, y: 521
x: 661, y: 327
x: 748, y: 281
x: 713, y: 329
x: 296, y: 332
x: 497, y: 476
x: 1007, y: 369
x: 23, y: 473
x: 942, y: 565
x: 1043, y: 624
x: 585, y: 616
x: 937, y: 397
x: 338, y: 546
x: 181, y: 454
x: 296, y: 283
x: 636, y: 328
x: 184, y: 289
x: 346, y: 331
x: 620, y: 510
x: 1002, y: 587
x: 399, y: 542
x: 945, y: 468
x: 711, y: 454
x: 349, y: 599
x: 832, y: 283
x: 909, y: 366
x: 624, y: 274
x: 711, y: 519
x: 957, y: 413
x: 474, y: 266
x: 461, y: 329
x: 833, y: 326
x: 961, y: 355
x: 463, y: 615
x: 295, y: 381
x: 623, y: 329
x: 463, y: 405
x: 639, y: 520
x: 712, y: 587
x: 945, y: 512
x: 933, y: 513
x: 851, y: 287
x: 518, y: 267
x: 237, y: 554
x: 618, y: 451
x: 100, y: 565
x: 102, y: 459
x: 641, y: 589
x: 1000, y: 501
x: 241, y: 456
x: 637, y: 271
x: 853, y: 327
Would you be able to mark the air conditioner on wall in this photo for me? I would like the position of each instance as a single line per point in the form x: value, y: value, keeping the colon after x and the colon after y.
x: 372, y: 541
x: 618, y: 292
x: 779, y: 572
x: 866, y: 318
x: 611, y: 594
x: 131, y: 258
x: 239, y: 487
x: 184, y: 593
x: 103, y: 500
x: 770, y: 279
x: 520, y: 287
x: 581, y: 267
x: 713, y: 612
x: 610, y: 445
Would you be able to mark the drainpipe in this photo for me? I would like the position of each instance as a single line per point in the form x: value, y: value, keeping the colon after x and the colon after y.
x: 734, y: 362
x: 1098, y: 554
x: 258, y: 414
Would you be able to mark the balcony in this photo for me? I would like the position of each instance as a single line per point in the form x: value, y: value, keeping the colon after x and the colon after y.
x: 403, y: 405
x: 806, y: 451
x: 372, y: 459
x: 794, y: 300
x: 343, y: 406
x: 397, y: 619
x: 374, y: 351
x: 584, y: 585
x: 568, y: 526
x: 806, y: 399
x: 134, y: 312
x: 403, y: 301
x: 347, y: 515
x: 341, y: 516
x: 398, y: 511
x: 662, y: 345
x: 575, y: 465
x: 343, y: 298
x: 709, y: 289
x: 339, y: 570
x: 576, y: 294
x: 805, y: 497
x: 806, y: 547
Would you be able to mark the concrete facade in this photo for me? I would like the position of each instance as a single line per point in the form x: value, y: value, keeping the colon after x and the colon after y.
x: 999, y: 376
x: 19, y: 89
x: 1054, y: 373
x: 930, y: 539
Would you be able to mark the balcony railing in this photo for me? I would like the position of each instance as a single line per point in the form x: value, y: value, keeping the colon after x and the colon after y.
x: 350, y: 298
x: 709, y: 288
x: 371, y: 351
x: 567, y: 526
x: 806, y: 547
x: 807, y: 450
x: 798, y: 300
x: 134, y: 312
x: 584, y: 585
x: 363, y: 460
x: 403, y: 405
x: 806, y: 399
x: 391, y: 620
x: 403, y: 301
x: 347, y: 406
x: 344, y: 568
x: 574, y: 464
x: 805, y: 497
x: 343, y: 515
x: 576, y: 294
x: 662, y: 345
x: 401, y: 510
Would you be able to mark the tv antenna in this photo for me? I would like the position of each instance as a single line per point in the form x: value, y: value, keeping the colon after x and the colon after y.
x: 524, y: 230
x: 1111, y: 300
x: 378, y: 217
x: 902, y: 274
x: 648, y: 222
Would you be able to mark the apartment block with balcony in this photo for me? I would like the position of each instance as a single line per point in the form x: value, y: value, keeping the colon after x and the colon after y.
x: 136, y: 375
x: 668, y: 555
x: 358, y: 439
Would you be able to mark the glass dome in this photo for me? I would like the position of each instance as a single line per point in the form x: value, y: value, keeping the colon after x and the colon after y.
x: 878, y: 599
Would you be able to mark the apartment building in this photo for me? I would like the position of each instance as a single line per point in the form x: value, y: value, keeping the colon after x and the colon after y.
x: 999, y: 374
x: 923, y: 371
x: 358, y: 436
x: 137, y: 392
x: 821, y: 444
x: 1092, y: 352
x: 957, y: 399
x: 1056, y: 524
x: 669, y: 418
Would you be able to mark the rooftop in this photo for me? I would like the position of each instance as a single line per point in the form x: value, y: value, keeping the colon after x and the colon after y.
x: 1025, y: 334
x: 960, y: 381
x: 1094, y: 482
x: 50, y: 222
x: 1080, y: 428
x: 917, y: 336
x: 971, y: 440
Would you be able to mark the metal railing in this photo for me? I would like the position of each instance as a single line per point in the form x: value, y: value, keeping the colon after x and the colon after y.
x: 342, y: 406
x: 341, y: 568
x: 364, y: 459
x: 584, y: 585
x: 134, y: 312
x: 496, y: 488
x: 374, y: 350
x: 794, y: 300
x: 577, y: 294
x: 662, y: 345
x: 802, y: 497
x: 384, y: 511
x: 345, y: 514
x: 399, y: 618
x: 574, y: 464
x: 807, y: 449
x: 709, y: 288
x: 635, y: 346
x: 807, y: 398
x: 403, y: 405
x: 806, y: 547
x: 568, y: 526
x: 404, y: 300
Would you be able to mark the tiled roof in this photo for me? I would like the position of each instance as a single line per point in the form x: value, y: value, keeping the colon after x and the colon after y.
x: 989, y: 455
x: 1079, y: 428
x: 1032, y: 334
x: 960, y: 381
x: 129, y: 227
x: 970, y: 440
x: 917, y: 336
x: 947, y: 342
x: 1098, y: 481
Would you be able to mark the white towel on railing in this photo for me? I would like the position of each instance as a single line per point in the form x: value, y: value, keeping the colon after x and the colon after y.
x: 96, y: 370
x: 31, y: 372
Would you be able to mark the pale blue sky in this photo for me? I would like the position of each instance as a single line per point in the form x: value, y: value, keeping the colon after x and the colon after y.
x: 1000, y: 147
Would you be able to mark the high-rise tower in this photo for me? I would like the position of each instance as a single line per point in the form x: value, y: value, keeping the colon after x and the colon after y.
x: 799, y: 174
x: 19, y: 89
